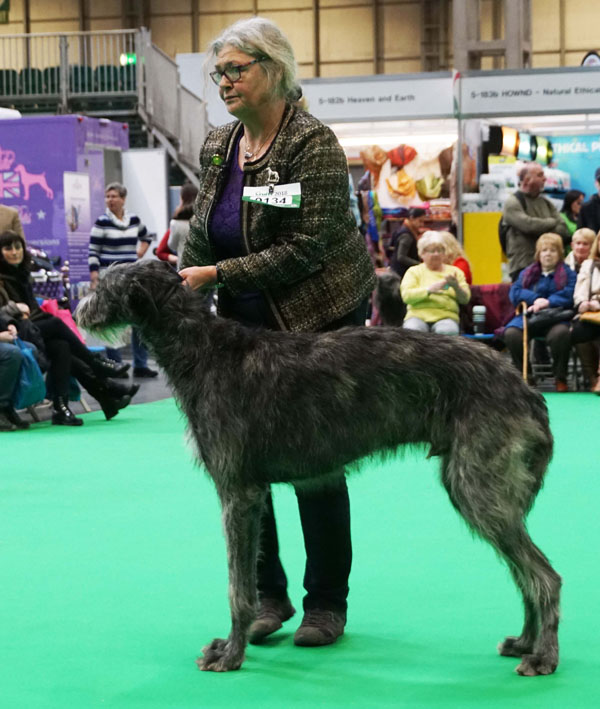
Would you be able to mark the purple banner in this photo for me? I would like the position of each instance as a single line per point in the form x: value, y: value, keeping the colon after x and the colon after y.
x: 39, y: 156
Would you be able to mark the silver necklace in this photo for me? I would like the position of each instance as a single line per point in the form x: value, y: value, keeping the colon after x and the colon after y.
x: 248, y: 155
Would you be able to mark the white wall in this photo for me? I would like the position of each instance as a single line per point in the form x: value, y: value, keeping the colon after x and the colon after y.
x: 145, y: 176
x: 192, y: 77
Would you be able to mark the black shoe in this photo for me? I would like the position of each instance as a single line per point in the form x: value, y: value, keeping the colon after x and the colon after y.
x: 109, y: 368
x: 62, y: 414
x: 111, y: 405
x: 5, y: 424
x: 14, y: 418
x: 320, y: 627
x: 144, y: 372
x: 117, y: 389
x: 272, y: 613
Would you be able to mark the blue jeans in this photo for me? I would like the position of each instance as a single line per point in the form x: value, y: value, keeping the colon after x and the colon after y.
x: 10, y: 364
x: 138, y: 349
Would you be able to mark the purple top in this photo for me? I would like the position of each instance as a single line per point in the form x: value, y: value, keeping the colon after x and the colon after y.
x: 225, y: 226
x: 225, y: 232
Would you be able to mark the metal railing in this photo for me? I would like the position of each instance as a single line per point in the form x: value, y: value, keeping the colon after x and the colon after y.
x: 162, y: 93
x: 193, y: 126
x: 70, y: 63
x: 85, y: 71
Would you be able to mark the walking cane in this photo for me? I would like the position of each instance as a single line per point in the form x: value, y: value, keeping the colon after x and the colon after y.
x: 523, y: 307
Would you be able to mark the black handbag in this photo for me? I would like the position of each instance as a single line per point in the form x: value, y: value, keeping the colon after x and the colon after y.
x: 539, y: 323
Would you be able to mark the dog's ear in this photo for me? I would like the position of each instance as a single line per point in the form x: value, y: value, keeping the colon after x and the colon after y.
x: 140, y: 302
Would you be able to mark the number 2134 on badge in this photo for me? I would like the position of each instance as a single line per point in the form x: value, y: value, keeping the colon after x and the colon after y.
x: 274, y: 195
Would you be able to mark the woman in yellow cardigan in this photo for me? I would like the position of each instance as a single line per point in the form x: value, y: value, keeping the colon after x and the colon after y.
x: 433, y: 290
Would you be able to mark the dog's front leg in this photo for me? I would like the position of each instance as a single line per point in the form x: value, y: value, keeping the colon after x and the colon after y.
x: 242, y: 513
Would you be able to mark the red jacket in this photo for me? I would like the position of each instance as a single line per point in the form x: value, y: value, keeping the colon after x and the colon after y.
x: 162, y: 250
x: 460, y: 262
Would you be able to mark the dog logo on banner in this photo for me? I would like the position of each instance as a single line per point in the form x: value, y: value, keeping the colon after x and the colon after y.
x: 16, y: 182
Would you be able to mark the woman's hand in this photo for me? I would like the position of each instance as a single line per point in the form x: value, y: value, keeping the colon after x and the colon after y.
x: 439, y: 286
x: 452, y: 281
x: 538, y: 304
x: 9, y: 335
x: 588, y: 305
x: 199, y: 276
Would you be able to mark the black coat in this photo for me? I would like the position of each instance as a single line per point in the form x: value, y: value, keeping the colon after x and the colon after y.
x: 17, y: 284
x: 404, y: 251
x: 589, y: 216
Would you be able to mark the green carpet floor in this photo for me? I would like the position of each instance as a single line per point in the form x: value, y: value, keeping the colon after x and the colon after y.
x: 112, y: 577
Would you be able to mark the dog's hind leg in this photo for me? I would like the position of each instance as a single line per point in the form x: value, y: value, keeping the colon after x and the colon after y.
x: 493, y: 496
x: 540, y: 585
x: 242, y: 513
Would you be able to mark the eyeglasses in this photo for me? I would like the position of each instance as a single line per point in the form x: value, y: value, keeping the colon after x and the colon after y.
x: 434, y: 250
x: 233, y: 72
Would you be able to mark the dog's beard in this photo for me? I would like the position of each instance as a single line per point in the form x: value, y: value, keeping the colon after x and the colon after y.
x: 112, y: 334
x: 87, y: 319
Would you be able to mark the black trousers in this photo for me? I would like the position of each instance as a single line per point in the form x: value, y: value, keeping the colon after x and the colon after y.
x: 62, y: 346
x: 325, y: 519
x: 584, y: 332
x: 558, y: 339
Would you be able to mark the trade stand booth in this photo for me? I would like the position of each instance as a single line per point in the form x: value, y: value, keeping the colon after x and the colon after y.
x: 398, y: 133
x: 402, y: 133
x: 551, y: 116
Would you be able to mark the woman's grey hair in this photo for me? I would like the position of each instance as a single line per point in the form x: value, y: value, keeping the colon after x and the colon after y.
x: 261, y: 38
x: 428, y: 239
x: 117, y: 187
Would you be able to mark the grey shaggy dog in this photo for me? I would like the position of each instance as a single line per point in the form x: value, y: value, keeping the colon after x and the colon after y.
x: 269, y: 407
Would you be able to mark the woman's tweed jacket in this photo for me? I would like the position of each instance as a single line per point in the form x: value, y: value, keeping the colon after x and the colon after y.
x: 311, y: 263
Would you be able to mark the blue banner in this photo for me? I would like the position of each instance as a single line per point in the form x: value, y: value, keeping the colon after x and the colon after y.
x: 580, y: 157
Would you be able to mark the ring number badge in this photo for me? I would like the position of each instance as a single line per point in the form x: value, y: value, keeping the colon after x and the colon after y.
x: 287, y: 196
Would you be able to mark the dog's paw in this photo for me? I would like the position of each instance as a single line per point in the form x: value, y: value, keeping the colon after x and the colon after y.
x: 534, y: 665
x: 514, y: 647
x: 217, y: 657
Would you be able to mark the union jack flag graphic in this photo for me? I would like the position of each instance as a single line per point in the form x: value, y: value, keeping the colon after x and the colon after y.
x: 10, y: 184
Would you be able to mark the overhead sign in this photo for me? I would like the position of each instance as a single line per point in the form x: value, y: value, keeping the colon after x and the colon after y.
x: 392, y: 98
x: 530, y: 93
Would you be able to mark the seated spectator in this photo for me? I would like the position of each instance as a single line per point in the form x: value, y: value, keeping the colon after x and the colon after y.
x: 433, y: 290
x: 403, y: 251
x: 581, y: 243
x: 10, y: 364
x: 589, y: 215
x: 585, y: 335
x: 455, y: 255
x: 67, y: 355
x: 179, y: 227
x: 570, y: 209
x: 547, y: 283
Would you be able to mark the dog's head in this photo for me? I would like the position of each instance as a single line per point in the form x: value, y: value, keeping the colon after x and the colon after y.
x: 128, y: 294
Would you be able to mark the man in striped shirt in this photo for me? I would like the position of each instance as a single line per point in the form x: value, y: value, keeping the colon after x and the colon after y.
x: 119, y: 237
